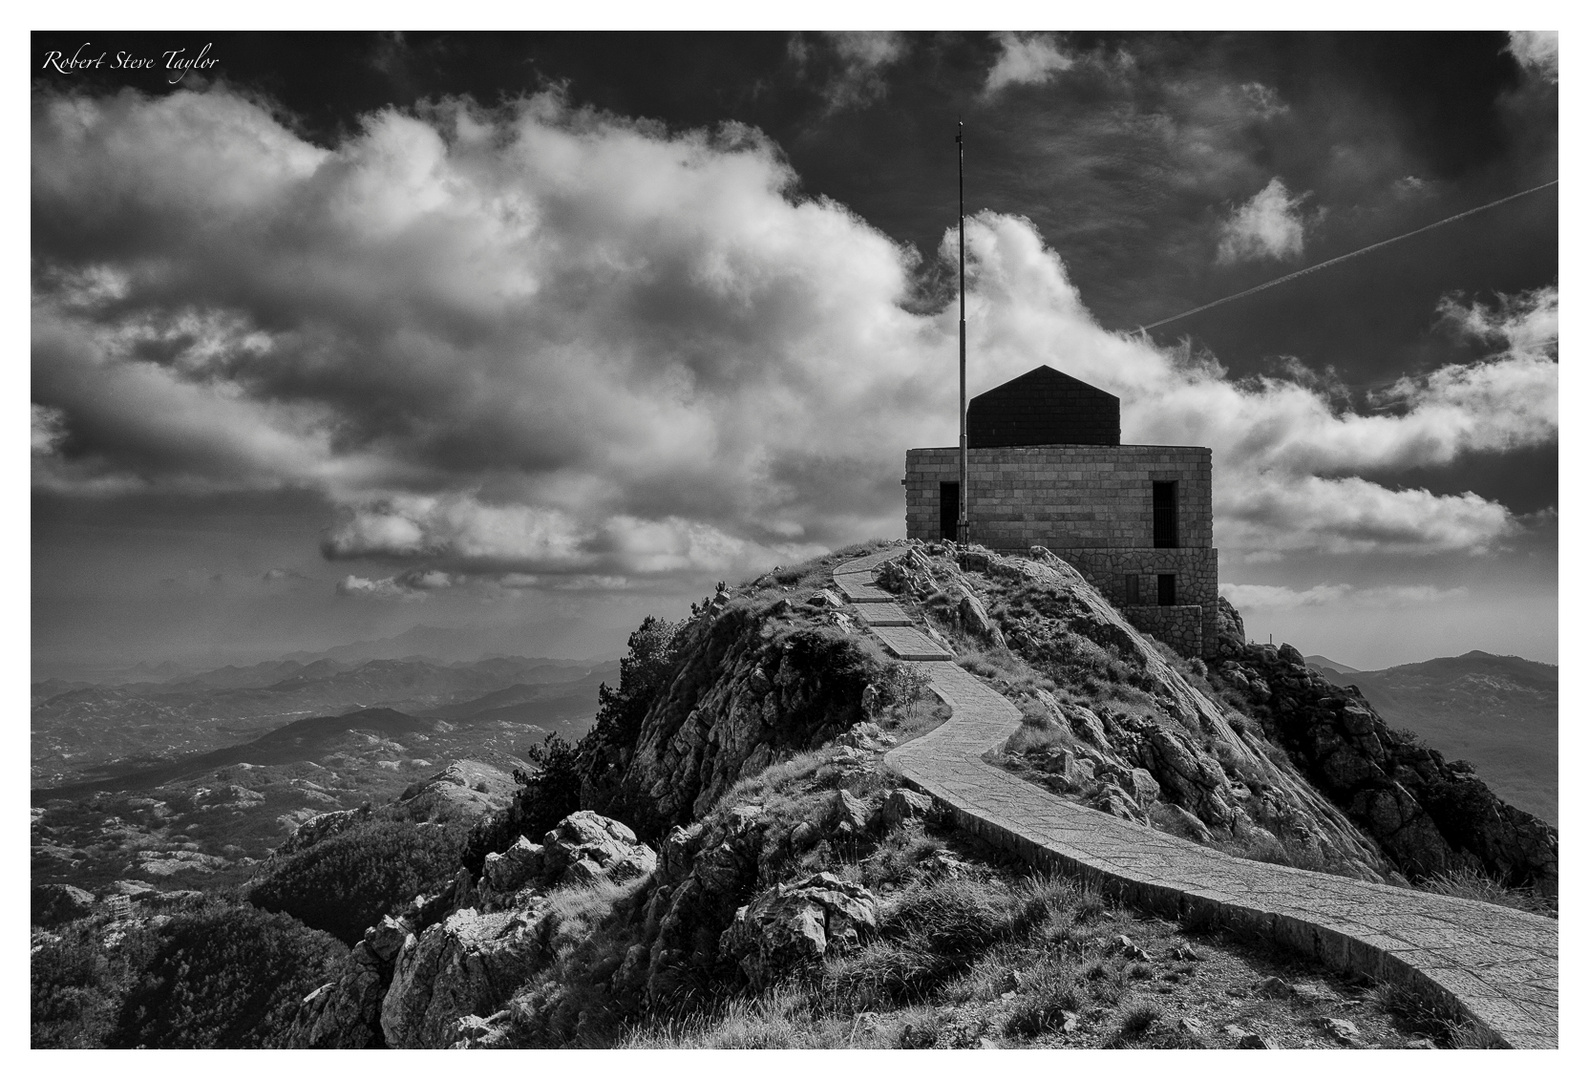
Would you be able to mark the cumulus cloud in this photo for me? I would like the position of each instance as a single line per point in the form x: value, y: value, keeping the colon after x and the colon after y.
x: 1267, y: 226
x: 540, y: 346
x: 1026, y: 59
x: 1535, y: 51
x: 1284, y: 598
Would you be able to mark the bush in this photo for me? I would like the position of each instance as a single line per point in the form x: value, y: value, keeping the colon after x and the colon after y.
x: 544, y: 798
x: 346, y: 882
x: 229, y: 977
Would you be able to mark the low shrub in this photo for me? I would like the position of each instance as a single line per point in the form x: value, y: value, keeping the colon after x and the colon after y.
x: 346, y: 882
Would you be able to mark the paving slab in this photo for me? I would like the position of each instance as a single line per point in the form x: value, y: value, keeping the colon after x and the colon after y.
x: 884, y: 613
x: 1496, y: 966
x: 908, y: 643
x: 858, y: 588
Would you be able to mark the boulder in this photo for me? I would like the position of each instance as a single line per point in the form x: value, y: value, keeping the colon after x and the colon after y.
x: 468, y: 963
x: 904, y: 805
x: 508, y: 871
x: 586, y: 846
x: 846, y: 813
x: 974, y: 620
x: 1143, y: 788
x: 797, y: 924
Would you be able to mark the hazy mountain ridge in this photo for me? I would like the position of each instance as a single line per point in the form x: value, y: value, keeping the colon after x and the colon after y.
x: 1498, y: 712
x: 84, y: 729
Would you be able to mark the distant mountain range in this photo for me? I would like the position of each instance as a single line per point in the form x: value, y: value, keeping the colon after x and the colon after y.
x: 79, y: 731
x: 1497, y: 712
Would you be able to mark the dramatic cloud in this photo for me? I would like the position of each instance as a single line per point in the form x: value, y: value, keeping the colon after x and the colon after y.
x: 1536, y: 51
x: 1267, y: 226
x: 1026, y: 59
x: 545, y: 347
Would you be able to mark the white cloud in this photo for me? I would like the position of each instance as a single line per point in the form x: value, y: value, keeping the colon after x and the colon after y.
x: 1527, y: 322
x: 548, y: 346
x: 1536, y: 51
x: 1026, y: 59
x: 1285, y: 598
x: 377, y: 589
x: 1267, y: 226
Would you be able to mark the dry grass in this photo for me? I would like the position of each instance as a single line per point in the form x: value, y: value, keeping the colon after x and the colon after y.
x: 1470, y: 884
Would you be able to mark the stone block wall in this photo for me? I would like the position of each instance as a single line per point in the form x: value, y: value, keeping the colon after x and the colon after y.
x: 1180, y: 627
x: 1093, y: 507
x: 1196, y: 573
x: 1064, y: 496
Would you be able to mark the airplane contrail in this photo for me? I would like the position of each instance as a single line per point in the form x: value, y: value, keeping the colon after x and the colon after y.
x: 1342, y: 258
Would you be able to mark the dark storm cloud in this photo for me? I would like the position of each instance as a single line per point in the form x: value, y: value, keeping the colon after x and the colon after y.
x: 541, y: 342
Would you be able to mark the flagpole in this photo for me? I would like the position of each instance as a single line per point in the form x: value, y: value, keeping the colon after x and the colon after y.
x: 964, y: 529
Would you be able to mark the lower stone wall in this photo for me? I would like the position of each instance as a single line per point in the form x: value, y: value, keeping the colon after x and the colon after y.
x: 1196, y: 570
x: 1180, y: 627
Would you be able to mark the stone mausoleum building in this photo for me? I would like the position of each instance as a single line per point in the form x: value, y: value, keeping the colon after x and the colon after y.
x: 1046, y: 467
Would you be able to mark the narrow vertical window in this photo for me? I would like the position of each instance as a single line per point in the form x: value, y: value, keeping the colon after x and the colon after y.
x: 1133, y: 590
x: 1164, y: 523
x: 1166, y: 590
x: 948, y: 510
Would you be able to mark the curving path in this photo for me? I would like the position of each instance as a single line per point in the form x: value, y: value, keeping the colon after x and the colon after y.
x: 1494, y: 965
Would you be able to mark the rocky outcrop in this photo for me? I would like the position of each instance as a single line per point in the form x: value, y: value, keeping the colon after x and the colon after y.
x: 1429, y: 815
x: 795, y: 925
x: 750, y: 688
x: 464, y: 951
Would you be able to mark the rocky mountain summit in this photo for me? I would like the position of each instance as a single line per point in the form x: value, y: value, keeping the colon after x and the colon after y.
x: 726, y: 843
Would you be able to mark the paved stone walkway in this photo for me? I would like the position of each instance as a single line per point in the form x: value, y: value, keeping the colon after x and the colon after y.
x: 1495, y: 965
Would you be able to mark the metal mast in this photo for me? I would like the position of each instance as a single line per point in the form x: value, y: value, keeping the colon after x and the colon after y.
x: 964, y: 529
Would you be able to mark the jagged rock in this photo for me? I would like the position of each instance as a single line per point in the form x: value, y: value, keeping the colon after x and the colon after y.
x: 55, y: 903
x: 1056, y: 715
x: 1112, y: 799
x: 387, y: 937
x: 1143, y: 788
x: 468, y: 963
x: 804, y: 836
x: 585, y: 846
x: 825, y: 598
x: 795, y: 924
x: 974, y: 620
x: 846, y: 813
x: 713, y: 721
x: 865, y: 736
x: 904, y: 805
x: 344, y: 1014
x: 1085, y: 723
x: 507, y: 871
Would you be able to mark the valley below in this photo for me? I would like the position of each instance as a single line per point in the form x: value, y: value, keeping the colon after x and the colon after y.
x: 188, y: 784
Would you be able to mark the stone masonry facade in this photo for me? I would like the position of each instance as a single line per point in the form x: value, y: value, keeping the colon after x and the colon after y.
x: 1093, y: 506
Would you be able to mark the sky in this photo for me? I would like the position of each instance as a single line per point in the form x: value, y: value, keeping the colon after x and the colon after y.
x: 338, y: 334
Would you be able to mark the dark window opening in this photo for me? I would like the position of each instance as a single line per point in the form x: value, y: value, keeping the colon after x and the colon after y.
x: 1166, y: 590
x: 1133, y: 589
x: 1164, y: 523
x: 948, y: 509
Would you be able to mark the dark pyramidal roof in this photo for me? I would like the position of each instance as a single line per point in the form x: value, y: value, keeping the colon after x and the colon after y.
x: 1044, y: 407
